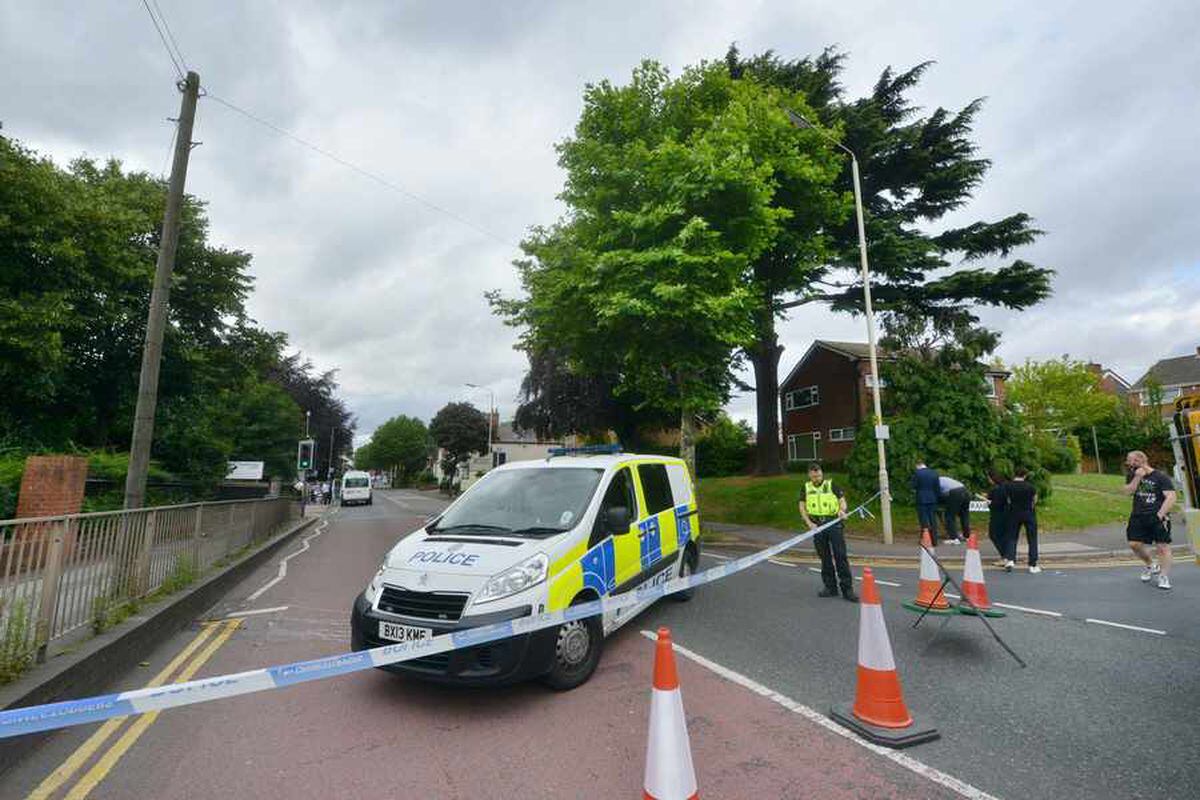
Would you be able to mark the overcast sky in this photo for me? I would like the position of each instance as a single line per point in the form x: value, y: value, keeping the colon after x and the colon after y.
x: 1091, y: 122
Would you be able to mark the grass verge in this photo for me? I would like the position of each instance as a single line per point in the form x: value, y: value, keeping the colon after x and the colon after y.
x: 772, y: 503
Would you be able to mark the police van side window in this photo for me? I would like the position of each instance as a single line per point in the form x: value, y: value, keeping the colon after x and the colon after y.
x: 656, y: 487
x: 619, y: 493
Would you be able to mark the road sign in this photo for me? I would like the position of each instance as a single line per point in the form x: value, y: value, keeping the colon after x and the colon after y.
x: 244, y: 471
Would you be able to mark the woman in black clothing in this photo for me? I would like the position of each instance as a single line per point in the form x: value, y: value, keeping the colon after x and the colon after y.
x: 997, y: 499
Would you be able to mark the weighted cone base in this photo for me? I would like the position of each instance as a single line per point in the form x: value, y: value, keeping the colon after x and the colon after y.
x: 920, y: 609
x: 896, y: 738
x: 987, y: 612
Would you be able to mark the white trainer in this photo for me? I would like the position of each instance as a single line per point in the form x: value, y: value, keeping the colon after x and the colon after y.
x: 1164, y: 582
x: 1149, y: 572
x: 1035, y: 569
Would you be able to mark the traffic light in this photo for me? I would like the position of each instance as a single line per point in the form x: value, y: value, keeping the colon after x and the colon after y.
x: 305, y: 454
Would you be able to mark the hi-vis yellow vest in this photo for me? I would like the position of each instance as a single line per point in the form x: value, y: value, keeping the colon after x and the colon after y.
x: 820, y: 501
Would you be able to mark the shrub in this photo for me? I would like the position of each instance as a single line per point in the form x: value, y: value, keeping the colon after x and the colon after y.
x: 16, y: 650
x: 937, y: 413
x: 723, y: 448
x: 1057, y: 454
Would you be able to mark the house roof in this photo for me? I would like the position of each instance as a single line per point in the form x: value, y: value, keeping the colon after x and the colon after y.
x: 506, y: 433
x: 856, y: 351
x: 852, y: 349
x: 1180, y: 370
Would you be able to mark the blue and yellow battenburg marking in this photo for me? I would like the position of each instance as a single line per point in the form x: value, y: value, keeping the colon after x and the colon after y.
x: 612, y: 562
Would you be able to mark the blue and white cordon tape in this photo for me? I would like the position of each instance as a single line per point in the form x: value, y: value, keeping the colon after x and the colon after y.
x: 19, y: 721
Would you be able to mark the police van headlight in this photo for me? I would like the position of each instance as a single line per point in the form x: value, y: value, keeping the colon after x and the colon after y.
x: 374, y: 587
x: 528, y: 573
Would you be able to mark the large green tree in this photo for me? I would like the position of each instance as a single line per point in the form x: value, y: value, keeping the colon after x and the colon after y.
x: 400, y: 445
x: 77, y: 257
x: 460, y: 429
x: 675, y: 187
x: 1059, y: 395
x: 916, y: 168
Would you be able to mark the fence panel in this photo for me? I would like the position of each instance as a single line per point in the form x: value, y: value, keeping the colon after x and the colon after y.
x: 61, y: 575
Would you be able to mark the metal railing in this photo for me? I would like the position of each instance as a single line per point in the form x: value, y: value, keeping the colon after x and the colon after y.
x: 59, y: 575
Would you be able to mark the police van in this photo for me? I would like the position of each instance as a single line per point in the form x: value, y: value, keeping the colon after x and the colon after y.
x: 532, y: 537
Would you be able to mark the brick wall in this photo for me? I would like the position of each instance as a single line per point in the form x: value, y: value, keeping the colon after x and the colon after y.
x: 52, y: 485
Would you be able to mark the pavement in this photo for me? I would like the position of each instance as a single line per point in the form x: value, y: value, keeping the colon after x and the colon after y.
x: 1101, y: 711
x: 1104, y: 542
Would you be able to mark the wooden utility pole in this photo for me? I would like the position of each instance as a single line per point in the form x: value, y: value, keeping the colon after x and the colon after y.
x: 147, y: 400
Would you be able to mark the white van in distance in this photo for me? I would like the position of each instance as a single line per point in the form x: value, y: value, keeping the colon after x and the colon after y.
x: 356, y: 488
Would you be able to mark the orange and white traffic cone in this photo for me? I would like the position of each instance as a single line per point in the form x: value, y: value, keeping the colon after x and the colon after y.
x: 930, y: 596
x: 669, y: 771
x: 878, y: 713
x: 973, y: 587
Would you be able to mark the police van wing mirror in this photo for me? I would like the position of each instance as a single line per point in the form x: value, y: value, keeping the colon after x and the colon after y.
x: 616, y: 520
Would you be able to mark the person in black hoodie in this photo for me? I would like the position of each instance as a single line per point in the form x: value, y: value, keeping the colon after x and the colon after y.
x: 1022, y: 500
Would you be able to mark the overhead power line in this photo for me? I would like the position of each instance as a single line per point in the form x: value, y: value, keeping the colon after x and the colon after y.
x: 162, y: 37
x: 371, y: 176
x: 167, y: 27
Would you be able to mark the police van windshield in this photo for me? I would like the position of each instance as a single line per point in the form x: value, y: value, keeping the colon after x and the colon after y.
x: 522, y: 502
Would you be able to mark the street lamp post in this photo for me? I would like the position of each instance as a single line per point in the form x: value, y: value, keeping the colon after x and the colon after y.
x: 491, y: 410
x: 885, y: 496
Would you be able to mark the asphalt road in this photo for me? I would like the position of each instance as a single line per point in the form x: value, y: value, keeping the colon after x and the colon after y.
x: 1100, y: 711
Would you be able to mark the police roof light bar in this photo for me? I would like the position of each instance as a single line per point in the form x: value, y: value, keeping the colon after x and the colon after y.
x: 585, y: 450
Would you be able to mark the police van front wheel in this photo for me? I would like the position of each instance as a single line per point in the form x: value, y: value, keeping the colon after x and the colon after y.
x: 687, y: 566
x: 577, y: 647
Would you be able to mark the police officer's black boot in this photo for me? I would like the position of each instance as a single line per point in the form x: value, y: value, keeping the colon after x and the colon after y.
x: 827, y: 592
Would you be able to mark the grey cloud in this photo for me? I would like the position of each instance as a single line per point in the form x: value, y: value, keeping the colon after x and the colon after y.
x: 1090, y: 120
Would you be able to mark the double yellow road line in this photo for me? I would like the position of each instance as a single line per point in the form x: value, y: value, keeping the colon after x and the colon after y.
x: 207, y: 641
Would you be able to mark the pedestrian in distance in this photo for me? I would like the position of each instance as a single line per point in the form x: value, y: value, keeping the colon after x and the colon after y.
x: 926, y: 485
x: 824, y: 502
x: 1022, y: 512
x: 997, y: 500
x: 956, y: 501
x: 1149, y: 519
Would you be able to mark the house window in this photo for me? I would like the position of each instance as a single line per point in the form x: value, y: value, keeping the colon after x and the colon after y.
x: 989, y: 385
x: 802, y: 398
x: 803, y: 446
x: 1168, y: 395
x: 869, y: 380
x: 841, y: 434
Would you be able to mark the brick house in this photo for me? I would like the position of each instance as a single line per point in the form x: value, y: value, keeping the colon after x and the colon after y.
x: 1111, y: 382
x: 1177, y: 376
x: 827, y: 396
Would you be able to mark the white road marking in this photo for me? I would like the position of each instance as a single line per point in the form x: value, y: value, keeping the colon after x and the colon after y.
x: 1126, y: 627
x: 256, y: 611
x: 283, y: 561
x: 781, y: 563
x: 859, y: 578
x: 962, y: 788
x: 1029, y: 610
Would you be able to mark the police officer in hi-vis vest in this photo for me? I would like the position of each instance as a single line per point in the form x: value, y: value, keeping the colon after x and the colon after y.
x: 822, y: 502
